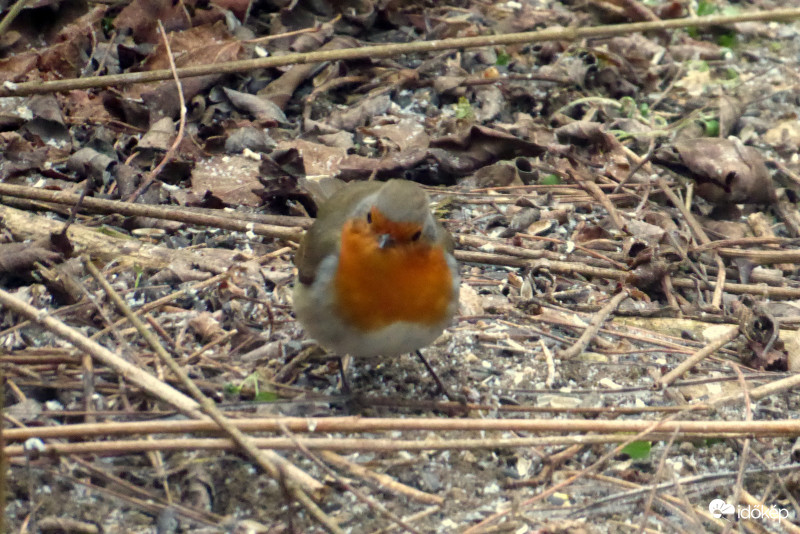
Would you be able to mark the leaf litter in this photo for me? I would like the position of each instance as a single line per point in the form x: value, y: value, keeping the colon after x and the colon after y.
x: 625, y: 199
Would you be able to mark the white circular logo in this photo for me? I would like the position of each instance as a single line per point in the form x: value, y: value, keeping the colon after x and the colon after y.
x: 717, y: 507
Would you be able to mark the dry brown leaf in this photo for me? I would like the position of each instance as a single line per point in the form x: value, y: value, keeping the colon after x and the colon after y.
x: 232, y: 179
x: 726, y: 171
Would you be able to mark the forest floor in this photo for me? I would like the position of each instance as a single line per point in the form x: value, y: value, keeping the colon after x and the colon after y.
x: 622, y: 204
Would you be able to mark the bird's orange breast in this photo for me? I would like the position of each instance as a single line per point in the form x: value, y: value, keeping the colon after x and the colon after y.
x: 376, y: 286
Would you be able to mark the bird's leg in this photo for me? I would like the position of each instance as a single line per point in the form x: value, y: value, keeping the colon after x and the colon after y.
x: 346, y: 391
x: 439, y: 383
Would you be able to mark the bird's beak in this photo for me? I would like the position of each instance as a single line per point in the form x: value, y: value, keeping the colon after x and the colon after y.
x: 385, y: 240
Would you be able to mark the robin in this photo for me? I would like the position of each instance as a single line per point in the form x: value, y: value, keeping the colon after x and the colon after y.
x: 376, y: 272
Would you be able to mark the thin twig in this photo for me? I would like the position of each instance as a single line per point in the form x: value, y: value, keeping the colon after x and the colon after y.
x: 383, y: 51
x: 103, y: 355
x: 743, y: 457
x: 685, y: 481
x: 716, y: 300
x: 594, y: 190
x: 15, y: 10
x: 571, y: 268
x: 658, y: 475
x: 351, y: 445
x: 372, y: 503
x: 651, y: 427
x: 193, y: 288
x: 697, y: 230
x: 669, y: 501
x: 594, y: 327
x: 778, y: 386
x: 410, y: 519
x: 276, y: 466
x: 314, y: 29
x: 784, y: 427
x: 385, y: 481
x: 151, y: 176
x: 786, y: 525
x: 699, y: 356
x: 551, y: 365
x: 240, y: 222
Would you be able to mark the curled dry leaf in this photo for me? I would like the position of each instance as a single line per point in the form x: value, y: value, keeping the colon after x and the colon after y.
x: 248, y: 137
x: 650, y: 264
x: 761, y: 331
x: 320, y: 160
x: 521, y: 221
x: 403, y: 135
x: 645, y: 231
x: 730, y: 111
x: 259, y: 107
x: 159, y: 136
x: 281, y: 90
x: 351, y: 117
x: 48, y: 121
x: 584, y: 132
x: 475, y: 147
x: 139, y: 18
x: 500, y: 174
x: 87, y: 162
x: 206, y: 326
x: 725, y: 170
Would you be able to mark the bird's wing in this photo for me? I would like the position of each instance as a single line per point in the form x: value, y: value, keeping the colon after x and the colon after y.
x: 324, y: 236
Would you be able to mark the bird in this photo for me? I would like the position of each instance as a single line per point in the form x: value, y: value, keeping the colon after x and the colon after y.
x: 376, y: 274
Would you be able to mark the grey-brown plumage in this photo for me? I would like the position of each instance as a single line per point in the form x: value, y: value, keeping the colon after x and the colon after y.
x: 398, y: 200
x: 323, y: 311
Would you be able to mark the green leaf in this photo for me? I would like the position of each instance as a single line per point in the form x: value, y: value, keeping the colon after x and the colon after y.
x: 706, y: 8
x: 503, y: 59
x: 550, y: 179
x: 138, y: 271
x: 637, y: 450
x: 711, y: 128
x: 107, y: 23
x: 111, y: 232
x: 266, y: 396
x: 463, y: 108
x: 231, y: 389
x: 727, y: 39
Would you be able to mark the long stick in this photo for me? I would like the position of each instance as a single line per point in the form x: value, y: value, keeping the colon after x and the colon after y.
x: 392, y: 50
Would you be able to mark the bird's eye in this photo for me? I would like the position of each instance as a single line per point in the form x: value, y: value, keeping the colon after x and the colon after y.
x: 416, y: 235
x: 369, y: 217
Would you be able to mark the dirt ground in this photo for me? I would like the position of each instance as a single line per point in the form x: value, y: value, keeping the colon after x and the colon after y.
x: 619, y: 203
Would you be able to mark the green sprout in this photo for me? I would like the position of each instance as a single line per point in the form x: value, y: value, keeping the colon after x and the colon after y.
x: 637, y: 450
x: 727, y: 39
x: 711, y: 127
x: 706, y: 8
x: 463, y: 108
x: 503, y: 58
x: 138, y: 271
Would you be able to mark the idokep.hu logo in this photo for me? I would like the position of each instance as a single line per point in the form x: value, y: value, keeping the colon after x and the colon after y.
x: 719, y: 508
